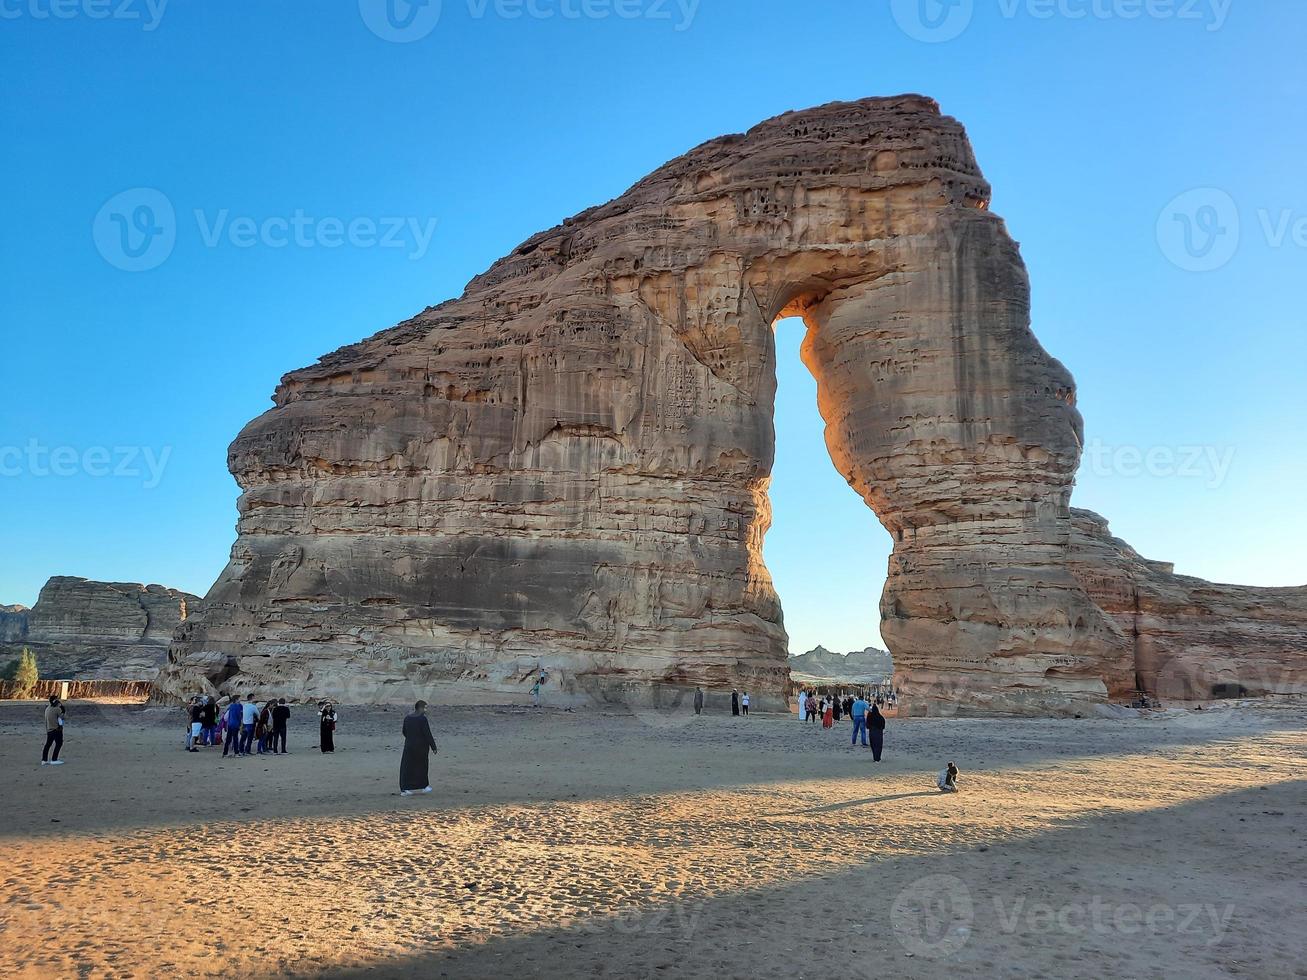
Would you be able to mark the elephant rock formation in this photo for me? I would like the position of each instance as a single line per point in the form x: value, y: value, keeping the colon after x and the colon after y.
x: 567, y: 466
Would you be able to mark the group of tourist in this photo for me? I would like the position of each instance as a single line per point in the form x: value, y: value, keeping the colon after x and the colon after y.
x: 243, y: 729
x: 868, y: 721
x: 739, y: 702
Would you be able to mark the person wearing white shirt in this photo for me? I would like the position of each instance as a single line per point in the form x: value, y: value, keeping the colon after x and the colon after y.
x: 249, y: 714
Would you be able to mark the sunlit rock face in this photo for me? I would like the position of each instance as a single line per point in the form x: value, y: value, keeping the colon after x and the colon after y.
x: 567, y: 466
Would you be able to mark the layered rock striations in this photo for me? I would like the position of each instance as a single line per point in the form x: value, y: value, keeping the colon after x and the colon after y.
x: 1191, y: 639
x: 82, y: 629
x: 567, y: 466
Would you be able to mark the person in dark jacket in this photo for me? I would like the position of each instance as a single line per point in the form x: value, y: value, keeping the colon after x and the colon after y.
x: 735, y: 701
x: 210, y: 719
x: 280, y: 715
x: 876, y: 725
x: 698, y: 700
x: 418, y: 742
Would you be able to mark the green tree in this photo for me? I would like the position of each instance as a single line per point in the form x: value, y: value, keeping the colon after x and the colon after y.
x: 27, y: 674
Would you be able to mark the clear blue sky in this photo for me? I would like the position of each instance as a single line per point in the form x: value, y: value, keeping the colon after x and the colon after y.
x: 496, y: 126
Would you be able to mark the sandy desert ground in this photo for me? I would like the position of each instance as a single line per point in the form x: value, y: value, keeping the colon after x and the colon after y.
x: 576, y: 844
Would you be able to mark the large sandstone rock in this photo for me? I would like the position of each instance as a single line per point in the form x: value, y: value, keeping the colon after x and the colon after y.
x: 1191, y: 639
x: 81, y: 629
x: 567, y: 466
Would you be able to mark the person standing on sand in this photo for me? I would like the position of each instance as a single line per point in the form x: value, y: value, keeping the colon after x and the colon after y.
x: 54, y: 731
x: 327, y: 728
x: 280, y: 715
x: 744, y: 703
x: 414, y: 775
x: 535, y: 691
x: 249, y: 716
x: 196, y: 716
x: 232, y: 719
x: 210, y: 719
x: 735, y: 702
x: 803, y: 706
x: 698, y: 700
x: 827, y: 713
x: 858, y: 712
x: 877, y: 725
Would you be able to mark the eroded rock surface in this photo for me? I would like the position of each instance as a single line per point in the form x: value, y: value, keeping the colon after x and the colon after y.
x: 82, y: 629
x: 1192, y: 639
x: 567, y: 466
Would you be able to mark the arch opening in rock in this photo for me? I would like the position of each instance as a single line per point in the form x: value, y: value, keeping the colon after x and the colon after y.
x: 826, y: 551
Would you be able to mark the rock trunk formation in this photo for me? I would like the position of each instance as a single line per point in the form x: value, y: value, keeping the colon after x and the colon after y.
x: 567, y: 466
x: 83, y: 630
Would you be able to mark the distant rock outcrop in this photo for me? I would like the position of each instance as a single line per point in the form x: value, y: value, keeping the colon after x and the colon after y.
x: 13, y: 623
x: 821, y: 666
x: 81, y: 629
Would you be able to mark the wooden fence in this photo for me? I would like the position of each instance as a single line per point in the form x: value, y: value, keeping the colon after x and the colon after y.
x: 80, y: 690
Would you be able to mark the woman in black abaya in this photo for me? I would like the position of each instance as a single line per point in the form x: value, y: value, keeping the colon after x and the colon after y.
x: 327, y: 728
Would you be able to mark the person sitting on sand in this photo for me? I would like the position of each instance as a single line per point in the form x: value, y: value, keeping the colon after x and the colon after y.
x: 948, y: 779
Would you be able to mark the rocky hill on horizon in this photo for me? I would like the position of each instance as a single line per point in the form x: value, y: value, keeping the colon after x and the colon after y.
x: 81, y: 629
x: 870, y: 665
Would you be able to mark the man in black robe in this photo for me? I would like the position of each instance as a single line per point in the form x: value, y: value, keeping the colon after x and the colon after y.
x: 418, y: 741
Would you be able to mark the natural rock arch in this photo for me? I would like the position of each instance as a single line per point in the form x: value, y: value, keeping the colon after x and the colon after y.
x: 568, y: 465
